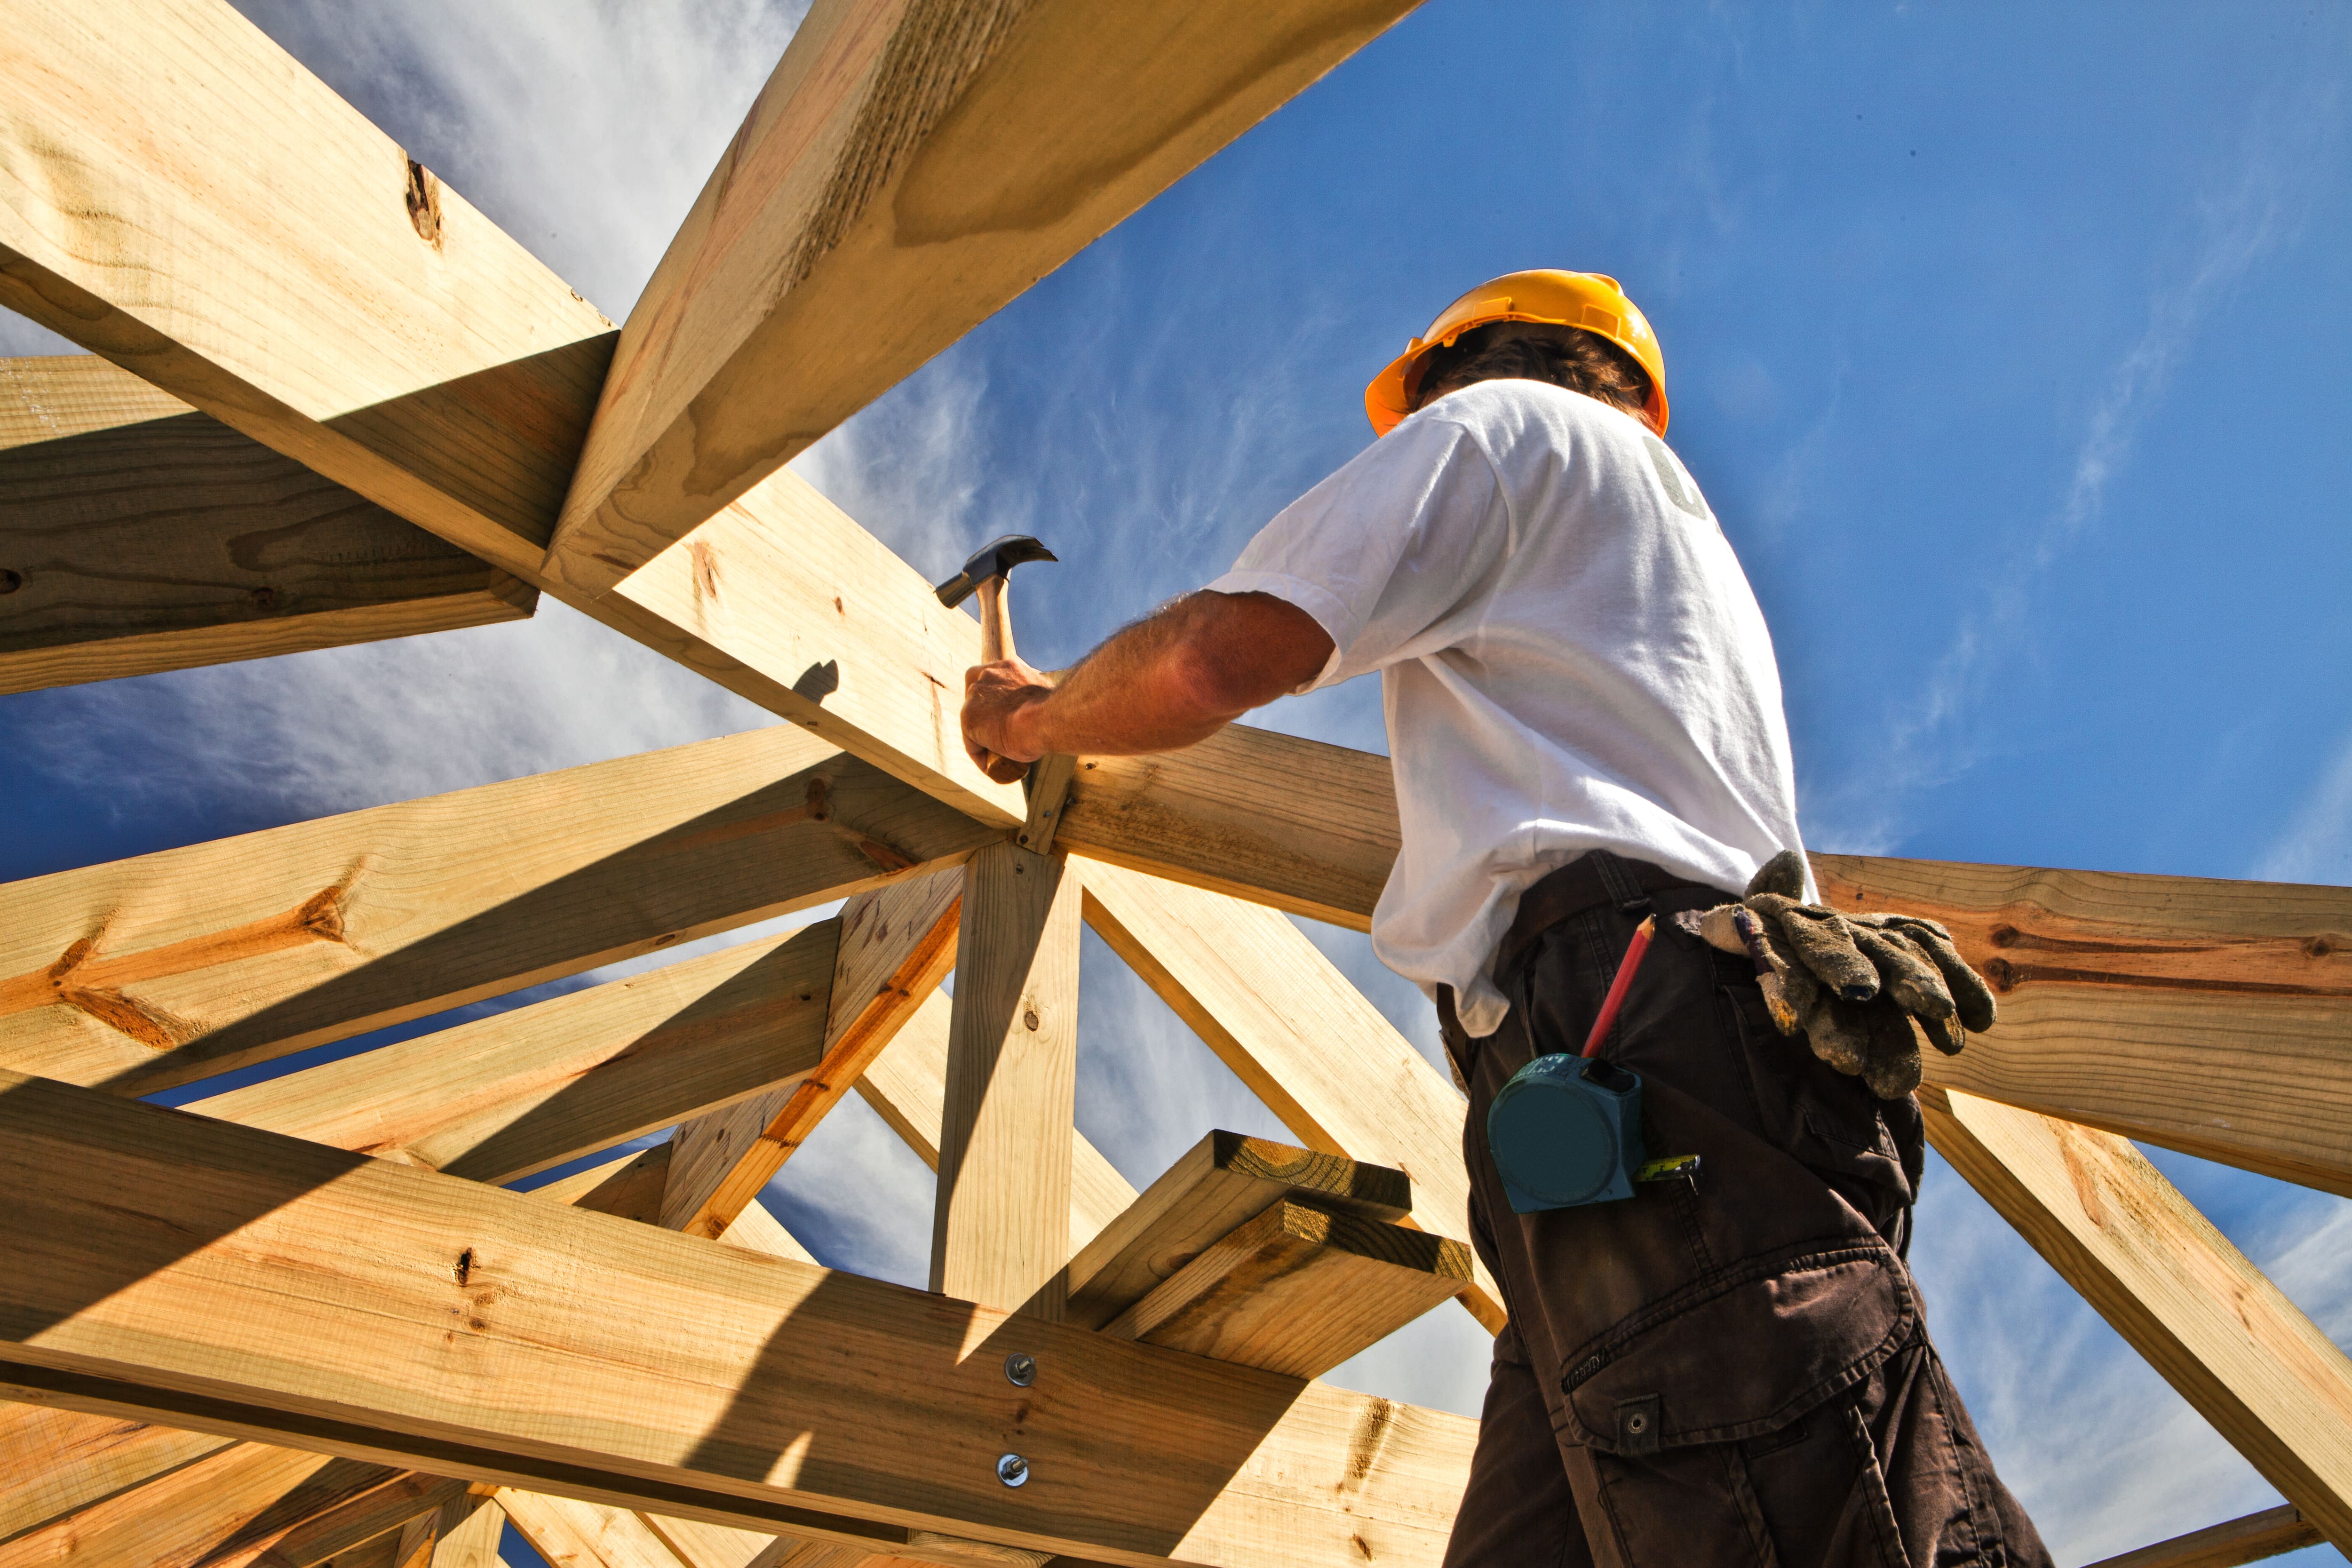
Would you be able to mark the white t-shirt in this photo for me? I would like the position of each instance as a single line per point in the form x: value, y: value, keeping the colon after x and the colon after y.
x: 1571, y: 658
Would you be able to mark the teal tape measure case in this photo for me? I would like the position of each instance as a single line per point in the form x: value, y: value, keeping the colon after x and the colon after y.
x: 1567, y: 1129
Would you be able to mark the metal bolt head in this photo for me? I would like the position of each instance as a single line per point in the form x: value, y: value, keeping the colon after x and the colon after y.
x: 1019, y: 1369
x: 1013, y: 1470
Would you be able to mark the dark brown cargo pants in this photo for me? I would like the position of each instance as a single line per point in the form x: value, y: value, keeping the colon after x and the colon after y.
x: 1732, y: 1370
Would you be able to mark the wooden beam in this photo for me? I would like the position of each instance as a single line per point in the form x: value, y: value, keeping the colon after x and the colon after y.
x: 243, y: 1496
x: 1297, y: 1290
x: 471, y: 1529
x: 205, y: 1274
x: 59, y: 1462
x: 894, y: 945
x: 906, y: 1085
x: 380, y: 1511
x: 2115, y: 991
x: 1303, y: 1039
x: 134, y: 539
x: 513, y: 1094
x: 574, y: 1534
x: 1001, y: 1223
x: 1302, y: 825
x: 941, y: 157
x: 2206, y: 1319
x: 1222, y: 1182
x: 167, y: 967
x: 204, y: 211
x: 2257, y: 1536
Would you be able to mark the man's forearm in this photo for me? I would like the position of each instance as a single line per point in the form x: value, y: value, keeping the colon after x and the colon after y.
x: 1171, y: 679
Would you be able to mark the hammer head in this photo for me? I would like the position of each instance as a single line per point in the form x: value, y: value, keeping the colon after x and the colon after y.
x: 997, y: 558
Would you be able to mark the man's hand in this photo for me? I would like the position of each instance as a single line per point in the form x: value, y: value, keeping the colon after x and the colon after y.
x: 1173, y: 679
x: 996, y: 698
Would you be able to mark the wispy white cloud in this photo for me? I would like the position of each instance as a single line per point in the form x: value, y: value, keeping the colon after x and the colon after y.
x: 2248, y: 207
x: 2315, y: 844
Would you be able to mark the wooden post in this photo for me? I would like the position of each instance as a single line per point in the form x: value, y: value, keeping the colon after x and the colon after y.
x: 1001, y: 1231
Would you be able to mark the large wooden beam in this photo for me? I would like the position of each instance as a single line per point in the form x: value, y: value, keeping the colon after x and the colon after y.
x: 2120, y: 992
x: 908, y: 169
x: 168, y: 967
x: 137, y: 535
x: 205, y: 1274
x: 1001, y: 1223
x: 2206, y: 1319
x: 908, y: 1084
x: 1306, y: 1041
x: 507, y: 1096
x: 894, y: 947
x: 570, y: 1534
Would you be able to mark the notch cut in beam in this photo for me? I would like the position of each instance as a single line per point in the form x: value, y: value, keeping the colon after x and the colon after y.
x: 137, y: 535
x: 896, y: 1425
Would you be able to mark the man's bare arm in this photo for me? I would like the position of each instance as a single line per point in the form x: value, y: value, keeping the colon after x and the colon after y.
x: 1177, y: 677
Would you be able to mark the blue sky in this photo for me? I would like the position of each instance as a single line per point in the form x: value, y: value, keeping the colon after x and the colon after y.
x: 2012, y: 346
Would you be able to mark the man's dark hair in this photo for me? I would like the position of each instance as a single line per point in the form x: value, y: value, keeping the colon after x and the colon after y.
x: 1529, y: 351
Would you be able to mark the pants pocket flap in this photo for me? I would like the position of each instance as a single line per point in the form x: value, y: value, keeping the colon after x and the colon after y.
x: 1741, y: 1353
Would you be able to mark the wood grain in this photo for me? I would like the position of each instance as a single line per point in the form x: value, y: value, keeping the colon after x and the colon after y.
x: 906, y: 1085
x: 239, y: 1497
x: 1306, y: 1041
x: 204, y: 211
x: 1001, y: 1222
x: 167, y: 967
x: 513, y: 1094
x: 2176, y: 1290
x: 59, y: 1462
x: 2208, y: 1016
x: 574, y: 1534
x: 894, y: 947
x: 471, y: 1529
x: 1297, y: 1290
x: 381, y: 1511
x: 170, y: 540
x: 1221, y: 1183
x: 1301, y: 826
x: 939, y: 155
x: 206, y: 1275
x: 2257, y: 1536
x: 285, y: 288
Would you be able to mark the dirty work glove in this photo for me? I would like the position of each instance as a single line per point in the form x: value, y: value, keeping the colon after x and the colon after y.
x: 1853, y: 985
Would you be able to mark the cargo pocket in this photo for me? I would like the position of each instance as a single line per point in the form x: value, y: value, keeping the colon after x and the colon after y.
x: 1869, y: 1150
x: 1742, y: 1353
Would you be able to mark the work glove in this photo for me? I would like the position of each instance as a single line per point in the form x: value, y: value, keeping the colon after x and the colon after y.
x: 1853, y: 985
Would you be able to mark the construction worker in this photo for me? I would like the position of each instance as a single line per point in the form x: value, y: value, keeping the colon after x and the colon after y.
x: 1729, y: 1366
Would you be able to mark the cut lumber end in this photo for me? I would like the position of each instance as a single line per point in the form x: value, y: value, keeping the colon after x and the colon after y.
x: 1299, y: 1289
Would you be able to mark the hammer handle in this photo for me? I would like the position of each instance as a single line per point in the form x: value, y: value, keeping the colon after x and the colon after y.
x: 995, y: 622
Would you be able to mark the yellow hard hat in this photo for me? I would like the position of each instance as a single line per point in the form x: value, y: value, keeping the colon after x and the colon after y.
x: 1586, y: 299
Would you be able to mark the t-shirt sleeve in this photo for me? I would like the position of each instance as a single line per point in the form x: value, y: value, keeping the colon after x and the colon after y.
x: 1385, y: 551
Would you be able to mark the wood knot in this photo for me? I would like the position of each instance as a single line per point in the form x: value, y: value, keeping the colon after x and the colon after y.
x: 424, y: 199
x: 2001, y: 975
x: 2323, y: 944
x: 819, y: 800
x: 465, y: 1267
x: 10, y: 581
x: 261, y: 600
x: 2002, y: 936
